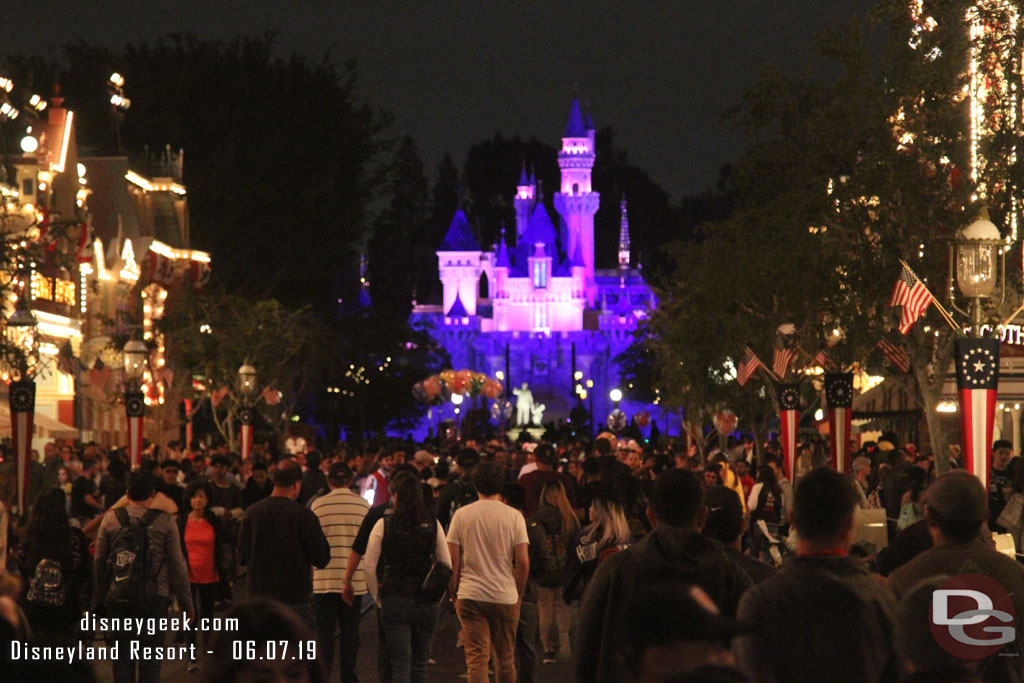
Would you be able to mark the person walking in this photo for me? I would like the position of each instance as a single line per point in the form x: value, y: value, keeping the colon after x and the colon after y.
x: 280, y: 542
x: 555, y: 517
x: 485, y: 539
x: 401, y: 551
x: 138, y: 566
x: 765, y: 503
x: 55, y: 565
x: 341, y: 512
x: 203, y: 543
x: 821, y: 598
x: 607, y: 534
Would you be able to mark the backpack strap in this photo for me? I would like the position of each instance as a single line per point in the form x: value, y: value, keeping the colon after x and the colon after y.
x: 122, y: 516
x: 149, y: 517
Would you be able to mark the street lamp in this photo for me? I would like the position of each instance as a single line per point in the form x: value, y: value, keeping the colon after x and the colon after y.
x: 135, y: 356
x: 975, y: 250
x: 21, y: 334
x: 615, y: 395
x: 246, y: 387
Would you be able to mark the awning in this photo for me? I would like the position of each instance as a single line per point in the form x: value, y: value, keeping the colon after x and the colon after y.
x: 44, y: 426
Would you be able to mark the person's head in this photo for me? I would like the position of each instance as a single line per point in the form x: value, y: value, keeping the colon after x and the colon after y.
x: 591, y: 469
x: 339, y: 476
x: 88, y: 467
x: 916, y: 646
x: 677, y: 500
x: 407, y: 498
x: 545, y: 455
x: 766, y: 476
x: 423, y: 460
x: 287, y: 479
x: 467, y: 460
x: 488, y: 478
x: 553, y: 493
x: 259, y: 473
x: 514, y: 495
x: 1001, y: 453
x: 141, y: 486
x: 724, y: 518
x: 632, y: 456
x: 602, y: 446
x: 712, y: 475
x: 221, y: 464
x: 313, y: 460
x: 49, y: 518
x: 861, y: 468
x: 741, y: 468
x: 63, y: 476
x: 608, y: 520
x: 355, y: 459
x: 50, y: 452
x: 823, y: 509
x: 772, y: 461
x: 66, y: 453
x: 673, y: 628
x: 198, y: 464
x: 398, y: 457
x: 262, y: 621
x: 956, y: 507
x: 169, y: 471
x: 197, y: 496
x: 386, y: 462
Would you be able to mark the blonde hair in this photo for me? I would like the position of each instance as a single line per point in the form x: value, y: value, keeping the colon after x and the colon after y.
x: 610, y: 520
x: 553, y: 493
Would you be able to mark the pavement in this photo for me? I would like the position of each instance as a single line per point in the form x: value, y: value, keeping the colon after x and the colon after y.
x: 450, y: 666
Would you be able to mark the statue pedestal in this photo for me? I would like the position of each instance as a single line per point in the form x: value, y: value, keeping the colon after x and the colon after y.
x: 513, y: 433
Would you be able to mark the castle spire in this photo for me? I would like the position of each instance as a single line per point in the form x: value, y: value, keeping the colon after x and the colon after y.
x: 574, y: 127
x: 623, y: 234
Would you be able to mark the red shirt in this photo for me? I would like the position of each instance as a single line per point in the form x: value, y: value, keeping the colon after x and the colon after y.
x: 199, y: 541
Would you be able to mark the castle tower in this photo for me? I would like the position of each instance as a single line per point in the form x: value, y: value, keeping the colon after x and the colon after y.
x: 458, y: 264
x: 526, y: 198
x: 623, y: 235
x: 577, y: 202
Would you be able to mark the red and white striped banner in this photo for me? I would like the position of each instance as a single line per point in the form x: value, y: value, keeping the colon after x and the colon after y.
x: 789, y: 418
x: 839, y: 397
x: 135, y: 411
x: 22, y: 397
x: 977, y: 382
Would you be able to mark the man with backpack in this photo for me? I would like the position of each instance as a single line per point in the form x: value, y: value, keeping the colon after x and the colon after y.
x: 138, y: 566
x: 459, y: 492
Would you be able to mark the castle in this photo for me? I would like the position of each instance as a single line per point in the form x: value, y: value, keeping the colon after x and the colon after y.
x: 540, y: 312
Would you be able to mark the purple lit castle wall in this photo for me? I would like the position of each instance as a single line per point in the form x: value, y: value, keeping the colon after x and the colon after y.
x: 542, y: 304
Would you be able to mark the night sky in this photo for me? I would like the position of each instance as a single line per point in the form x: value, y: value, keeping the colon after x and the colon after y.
x: 454, y: 73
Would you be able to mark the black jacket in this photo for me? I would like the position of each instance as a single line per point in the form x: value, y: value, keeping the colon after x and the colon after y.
x: 818, y: 619
x: 667, y: 554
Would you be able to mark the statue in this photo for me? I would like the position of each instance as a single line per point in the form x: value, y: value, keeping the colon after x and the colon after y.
x: 524, y: 405
x: 538, y: 414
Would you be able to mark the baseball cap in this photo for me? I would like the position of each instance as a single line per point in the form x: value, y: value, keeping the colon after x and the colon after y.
x: 724, y: 520
x: 339, y: 471
x: 423, y: 458
x: 860, y: 463
x: 958, y: 495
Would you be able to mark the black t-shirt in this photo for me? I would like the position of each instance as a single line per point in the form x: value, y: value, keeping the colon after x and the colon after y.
x: 112, y: 489
x: 373, y: 515
x: 254, y: 493
x: 228, y: 497
x: 80, y: 488
x: 279, y: 541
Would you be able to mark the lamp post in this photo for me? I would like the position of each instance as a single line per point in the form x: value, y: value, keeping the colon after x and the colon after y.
x: 617, y: 418
x: 21, y: 334
x: 246, y: 387
x: 136, y: 356
x: 975, y: 251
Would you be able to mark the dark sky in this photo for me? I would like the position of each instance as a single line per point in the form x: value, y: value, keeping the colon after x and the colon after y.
x: 453, y: 73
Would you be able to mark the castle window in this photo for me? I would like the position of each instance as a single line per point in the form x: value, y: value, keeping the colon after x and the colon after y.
x: 540, y: 317
x: 540, y: 274
x: 483, y: 288
x: 575, y: 188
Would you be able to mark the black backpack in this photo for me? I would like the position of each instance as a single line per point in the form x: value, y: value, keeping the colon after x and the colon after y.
x: 47, y: 586
x: 130, y: 565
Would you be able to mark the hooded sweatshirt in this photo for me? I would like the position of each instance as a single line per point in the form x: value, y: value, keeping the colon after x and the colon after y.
x: 668, y: 554
x: 821, y: 618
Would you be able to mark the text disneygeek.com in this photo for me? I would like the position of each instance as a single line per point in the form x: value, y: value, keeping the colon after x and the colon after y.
x: 124, y: 635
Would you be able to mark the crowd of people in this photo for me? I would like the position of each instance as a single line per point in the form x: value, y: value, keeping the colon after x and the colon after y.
x: 650, y: 563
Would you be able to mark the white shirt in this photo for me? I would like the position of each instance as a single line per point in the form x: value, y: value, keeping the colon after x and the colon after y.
x: 340, y: 513
x: 526, y: 469
x: 487, y: 531
x: 373, y: 555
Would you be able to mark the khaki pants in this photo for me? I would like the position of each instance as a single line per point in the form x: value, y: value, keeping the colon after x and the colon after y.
x: 554, y: 618
x: 487, y: 626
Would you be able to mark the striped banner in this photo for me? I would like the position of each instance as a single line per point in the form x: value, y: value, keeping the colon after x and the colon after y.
x: 977, y: 382
x: 22, y: 397
x: 789, y: 417
x: 135, y: 411
x: 839, y: 398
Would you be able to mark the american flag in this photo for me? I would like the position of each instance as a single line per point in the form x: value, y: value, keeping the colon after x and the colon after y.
x: 897, y: 355
x: 910, y: 293
x: 781, y: 358
x: 99, y: 374
x: 271, y: 396
x: 748, y: 367
x: 823, y: 359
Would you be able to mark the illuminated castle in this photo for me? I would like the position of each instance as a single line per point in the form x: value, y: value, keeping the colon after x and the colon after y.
x: 541, y: 310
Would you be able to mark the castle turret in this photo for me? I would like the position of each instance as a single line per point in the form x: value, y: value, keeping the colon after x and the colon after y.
x: 623, y: 237
x: 459, y: 264
x: 577, y: 202
x: 526, y: 199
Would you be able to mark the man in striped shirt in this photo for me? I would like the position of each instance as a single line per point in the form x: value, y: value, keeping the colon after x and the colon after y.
x: 340, y: 513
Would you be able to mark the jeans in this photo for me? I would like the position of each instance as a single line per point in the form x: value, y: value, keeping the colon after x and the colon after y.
x: 383, y: 660
x: 203, y: 597
x: 526, y: 643
x: 305, y: 612
x: 148, y: 669
x: 487, y: 626
x: 409, y: 628
x: 332, y: 611
x: 554, y: 617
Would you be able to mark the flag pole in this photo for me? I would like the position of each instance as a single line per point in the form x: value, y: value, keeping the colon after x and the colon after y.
x: 1014, y: 315
x: 945, y: 314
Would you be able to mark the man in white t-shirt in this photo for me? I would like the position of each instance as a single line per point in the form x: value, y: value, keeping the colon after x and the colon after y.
x: 490, y: 563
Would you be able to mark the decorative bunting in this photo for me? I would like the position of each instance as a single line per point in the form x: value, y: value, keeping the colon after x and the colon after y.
x: 977, y: 381
x: 839, y: 398
x: 22, y: 397
x: 789, y: 417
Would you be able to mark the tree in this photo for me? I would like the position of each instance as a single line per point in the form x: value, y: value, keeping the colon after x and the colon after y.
x: 850, y: 167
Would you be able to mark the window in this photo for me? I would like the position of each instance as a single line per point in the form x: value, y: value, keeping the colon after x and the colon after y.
x: 540, y: 274
x: 540, y: 317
